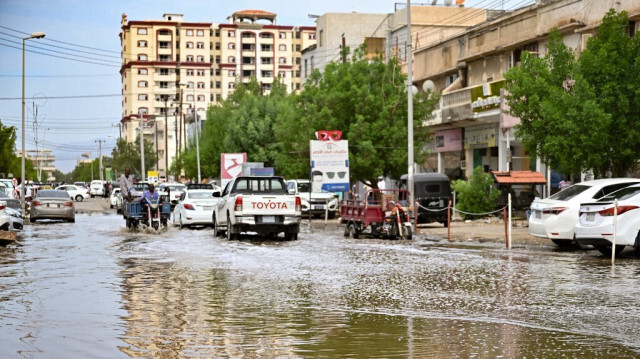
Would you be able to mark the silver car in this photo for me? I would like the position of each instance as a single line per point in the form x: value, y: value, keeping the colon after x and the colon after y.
x: 52, y: 204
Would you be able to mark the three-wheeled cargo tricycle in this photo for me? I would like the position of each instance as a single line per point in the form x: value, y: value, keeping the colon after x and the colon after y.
x: 382, y: 213
x: 140, y: 215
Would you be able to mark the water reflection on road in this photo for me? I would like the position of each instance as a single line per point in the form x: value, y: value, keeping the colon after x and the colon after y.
x: 92, y: 289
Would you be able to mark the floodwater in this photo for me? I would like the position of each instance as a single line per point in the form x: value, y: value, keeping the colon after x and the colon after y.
x: 94, y: 290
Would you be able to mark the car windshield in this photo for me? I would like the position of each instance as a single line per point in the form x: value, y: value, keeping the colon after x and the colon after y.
x: 200, y: 195
x: 621, y: 195
x: 52, y: 193
x: 569, y: 193
x: 260, y: 185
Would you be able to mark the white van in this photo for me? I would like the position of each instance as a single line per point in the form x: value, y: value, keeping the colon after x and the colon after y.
x: 96, y: 188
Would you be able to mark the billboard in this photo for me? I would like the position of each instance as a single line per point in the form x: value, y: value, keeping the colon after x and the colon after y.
x: 231, y: 166
x: 330, y: 165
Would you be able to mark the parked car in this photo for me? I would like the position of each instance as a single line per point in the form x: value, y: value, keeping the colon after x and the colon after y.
x: 556, y: 216
x: 596, y: 226
x: 10, y: 219
x: 195, y: 208
x: 52, y: 204
x: 175, y: 191
x: 75, y: 192
x: 96, y: 188
x: 10, y: 201
x: 115, y: 200
x: 318, y: 203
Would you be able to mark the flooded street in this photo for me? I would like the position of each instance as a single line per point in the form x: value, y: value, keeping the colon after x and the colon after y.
x: 93, y: 289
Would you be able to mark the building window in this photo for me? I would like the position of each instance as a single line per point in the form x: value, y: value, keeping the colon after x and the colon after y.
x: 200, y: 32
x: 164, y: 32
x: 143, y: 72
x: 298, y: 48
x: 217, y: 33
x: 305, y: 68
x: 190, y: 84
x: 232, y: 85
x: 164, y: 58
x: 312, y: 36
x: 248, y: 35
x: 282, y: 74
x: 232, y: 73
x: 164, y: 85
x: 143, y: 97
x: 297, y: 73
x: 200, y: 45
x: 283, y: 35
x: 266, y: 60
x: 190, y: 72
x: 248, y: 47
x: 200, y: 58
x: 320, y: 39
x: 217, y: 72
x: 297, y: 34
x: 232, y: 46
x: 200, y: 97
x: 297, y: 61
x: 200, y: 85
x: 165, y: 72
x: 217, y: 46
x: 201, y: 72
x: 142, y: 31
x: 283, y: 47
x: 266, y: 35
x: 267, y: 73
x: 298, y: 86
x: 232, y: 33
x: 142, y: 57
x: 266, y: 48
x: 164, y: 44
x: 189, y: 58
x: 218, y: 84
x: 142, y: 43
x: 189, y: 45
x: 189, y: 32
x: 190, y: 98
x: 232, y: 59
x: 282, y: 60
x: 143, y: 110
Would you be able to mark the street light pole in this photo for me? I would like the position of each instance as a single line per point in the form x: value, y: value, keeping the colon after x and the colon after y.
x: 141, y: 147
x: 195, y: 114
x: 35, y: 35
x: 100, y: 156
x: 410, y: 111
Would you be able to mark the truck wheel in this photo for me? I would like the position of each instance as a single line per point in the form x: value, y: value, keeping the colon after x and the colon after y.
x: 216, y: 228
x: 291, y: 236
x: 353, y: 231
x: 230, y: 235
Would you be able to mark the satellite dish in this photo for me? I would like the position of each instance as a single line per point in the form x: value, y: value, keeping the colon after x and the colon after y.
x: 428, y: 86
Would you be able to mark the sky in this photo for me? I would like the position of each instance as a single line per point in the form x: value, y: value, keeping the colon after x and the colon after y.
x: 79, y: 103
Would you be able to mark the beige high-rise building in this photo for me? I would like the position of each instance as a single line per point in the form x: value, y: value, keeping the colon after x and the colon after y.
x: 171, y: 67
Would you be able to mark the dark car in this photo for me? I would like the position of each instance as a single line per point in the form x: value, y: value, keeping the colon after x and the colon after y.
x: 432, y: 192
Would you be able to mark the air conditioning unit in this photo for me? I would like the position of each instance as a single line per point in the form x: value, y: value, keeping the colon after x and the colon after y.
x: 463, y: 165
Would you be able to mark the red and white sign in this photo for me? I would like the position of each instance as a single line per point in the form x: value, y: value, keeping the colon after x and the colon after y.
x: 231, y: 166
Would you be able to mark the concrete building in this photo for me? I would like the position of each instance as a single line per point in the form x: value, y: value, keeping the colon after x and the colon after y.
x: 44, y: 162
x: 171, y: 68
x: 471, y: 126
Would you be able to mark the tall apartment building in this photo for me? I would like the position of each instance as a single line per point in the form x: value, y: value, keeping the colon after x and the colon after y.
x: 171, y: 68
x: 44, y: 162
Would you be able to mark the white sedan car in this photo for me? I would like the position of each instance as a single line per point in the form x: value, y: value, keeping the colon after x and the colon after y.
x: 115, y: 200
x: 77, y: 193
x: 195, y: 208
x: 10, y: 219
x: 596, y: 226
x: 555, y: 217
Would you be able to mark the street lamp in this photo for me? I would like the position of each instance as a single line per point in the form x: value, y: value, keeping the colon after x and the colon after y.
x: 35, y: 35
x: 140, y: 116
x: 410, y: 94
x: 195, y: 114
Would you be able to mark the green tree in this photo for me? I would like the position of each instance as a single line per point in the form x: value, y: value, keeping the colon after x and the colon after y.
x: 11, y: 163
x: 582, y: 113
x: 477, y: 195
x: 127, y: 155
x: 367, y: 100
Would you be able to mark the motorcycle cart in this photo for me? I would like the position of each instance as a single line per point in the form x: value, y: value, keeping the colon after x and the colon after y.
x: 374, y: 216
x: 139, y: 216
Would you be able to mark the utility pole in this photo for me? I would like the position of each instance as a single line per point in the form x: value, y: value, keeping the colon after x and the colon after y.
x: 155, y: 140
x: 166, y: 139
x: 410, y: 110
x: 344, y: 49
x: 100, y: 157
x: 142, y: 174
x: 180, y: 124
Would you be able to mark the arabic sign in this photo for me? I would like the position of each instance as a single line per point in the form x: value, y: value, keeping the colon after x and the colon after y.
x: 449, y: 140
x: 330, y: 165
x: 481, y: 136
x: 231, y: 166
x: 486, y: 97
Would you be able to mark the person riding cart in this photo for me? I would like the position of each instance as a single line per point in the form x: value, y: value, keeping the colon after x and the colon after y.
x: 150, y: 196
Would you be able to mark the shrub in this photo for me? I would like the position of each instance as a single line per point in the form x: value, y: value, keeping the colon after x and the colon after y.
x: 477, y: 195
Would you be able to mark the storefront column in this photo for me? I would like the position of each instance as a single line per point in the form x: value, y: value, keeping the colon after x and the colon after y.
x: 440, y: 163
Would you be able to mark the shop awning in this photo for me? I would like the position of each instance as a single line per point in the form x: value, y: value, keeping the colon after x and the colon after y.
x: 518, y: 177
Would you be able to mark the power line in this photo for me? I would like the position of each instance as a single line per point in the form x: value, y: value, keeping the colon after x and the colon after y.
x: 62, y: 42
x: 59, y: 52
x: 61, y: 57
x: 69, y: 75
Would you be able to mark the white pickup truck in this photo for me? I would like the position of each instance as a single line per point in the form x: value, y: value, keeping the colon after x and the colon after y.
x: 257, y: 204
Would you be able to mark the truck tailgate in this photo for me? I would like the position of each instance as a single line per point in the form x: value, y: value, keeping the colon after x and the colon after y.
x: 268, y: 205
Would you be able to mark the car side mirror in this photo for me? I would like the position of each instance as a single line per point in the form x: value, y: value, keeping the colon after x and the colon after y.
x: 216, y: 194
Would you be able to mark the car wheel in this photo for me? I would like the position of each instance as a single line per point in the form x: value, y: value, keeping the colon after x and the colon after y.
x: 353, y: 231
x: 606, y: 249
x: 216, y: 228
x: 180, y: 223
x: 291, y: 236
x: 230, y: 235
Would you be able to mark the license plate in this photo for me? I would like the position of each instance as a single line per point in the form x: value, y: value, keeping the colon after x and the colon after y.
x: 53, y: 205
x: 268, y: 219
x: 208, y: 208
x: 538, y: 214
x: 591, y: 217
x: 318, y: 207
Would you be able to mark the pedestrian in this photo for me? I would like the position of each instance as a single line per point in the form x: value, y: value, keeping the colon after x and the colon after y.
x: 565, y: 183
x: 126, y: 184
x: 106, y: 189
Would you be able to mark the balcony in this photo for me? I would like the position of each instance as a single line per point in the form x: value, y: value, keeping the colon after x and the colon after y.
x: 453, y: 106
